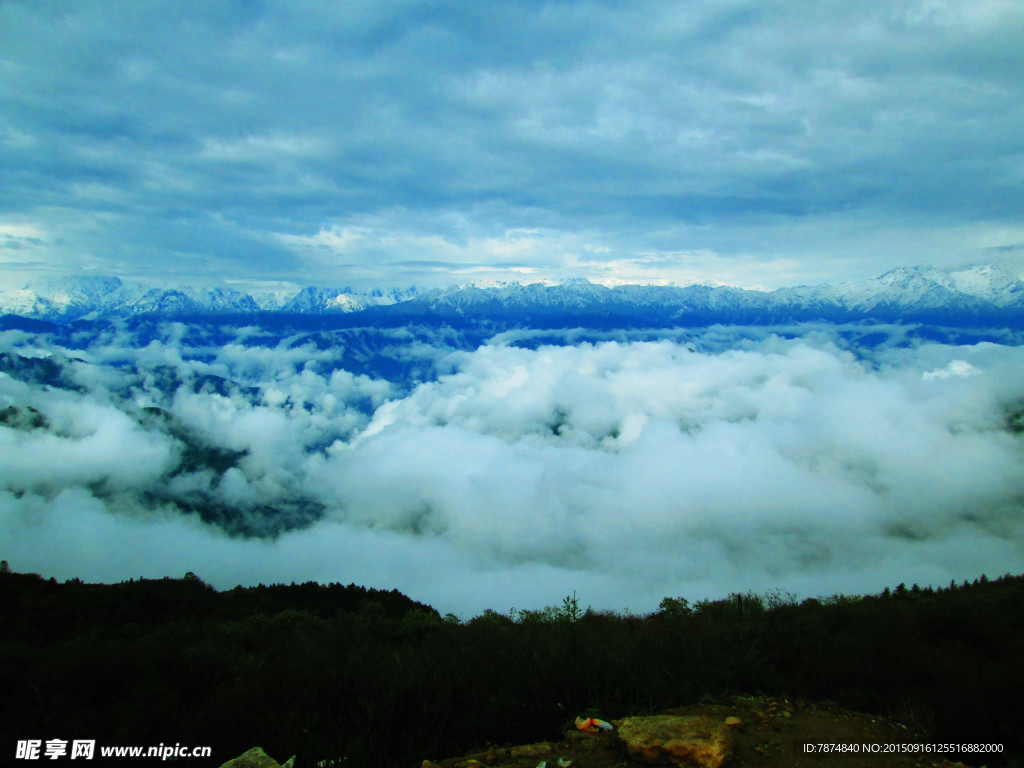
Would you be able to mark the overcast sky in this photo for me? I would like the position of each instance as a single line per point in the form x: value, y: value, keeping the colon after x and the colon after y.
x: 397, y: 142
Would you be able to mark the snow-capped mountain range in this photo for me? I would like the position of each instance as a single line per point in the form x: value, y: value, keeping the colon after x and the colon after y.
x: 978, y: 293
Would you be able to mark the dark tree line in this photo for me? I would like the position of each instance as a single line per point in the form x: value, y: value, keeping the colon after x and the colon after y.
x: 370, y: 677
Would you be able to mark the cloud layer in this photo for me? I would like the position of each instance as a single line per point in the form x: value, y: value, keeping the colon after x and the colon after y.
x: 511, y: 476
x: 395, y: 142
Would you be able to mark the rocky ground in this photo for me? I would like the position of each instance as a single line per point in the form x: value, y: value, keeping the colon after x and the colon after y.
x: 763, y: 732
x: 770, y: 734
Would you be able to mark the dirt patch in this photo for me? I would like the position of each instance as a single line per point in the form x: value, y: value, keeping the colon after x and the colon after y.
x: 771, y: 733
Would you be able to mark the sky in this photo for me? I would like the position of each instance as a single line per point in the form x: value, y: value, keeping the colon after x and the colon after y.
x: 394, y: 143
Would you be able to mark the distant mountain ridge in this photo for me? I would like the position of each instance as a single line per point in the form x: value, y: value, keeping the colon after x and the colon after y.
x: 68, y: 298
x: 986, y: 294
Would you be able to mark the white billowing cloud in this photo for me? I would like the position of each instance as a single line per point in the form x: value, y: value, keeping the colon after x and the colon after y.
x: 955, y: 368
x: 89, y: 442
x: 626, y: 471
x: 784, y: 463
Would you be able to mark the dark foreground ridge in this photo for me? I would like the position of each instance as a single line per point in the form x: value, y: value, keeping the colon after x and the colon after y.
x: 344, y: 675
x: 727, y: 732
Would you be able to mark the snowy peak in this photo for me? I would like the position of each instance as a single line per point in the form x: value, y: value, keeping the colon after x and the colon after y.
x: 929, y: 288
x: 60, y: 296
x: 69, y: 298
x: 315, y: 301
x: 996, y: 284
x: 983, y: 293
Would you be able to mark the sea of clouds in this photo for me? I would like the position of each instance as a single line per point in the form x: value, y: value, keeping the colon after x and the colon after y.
x: 508, y: 474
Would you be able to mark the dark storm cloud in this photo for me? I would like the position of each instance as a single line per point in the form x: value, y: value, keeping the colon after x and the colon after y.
x: 747, y: 141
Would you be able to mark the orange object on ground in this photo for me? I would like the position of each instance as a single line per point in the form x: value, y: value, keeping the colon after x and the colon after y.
x: 592, y: 724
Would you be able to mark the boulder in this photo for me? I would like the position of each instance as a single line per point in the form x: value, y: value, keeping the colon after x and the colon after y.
x: 254, y: 758
x: 531, y: 750
x: 698, y: 742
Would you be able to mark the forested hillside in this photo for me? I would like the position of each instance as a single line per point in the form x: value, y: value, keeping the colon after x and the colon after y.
x: 332, y: 671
